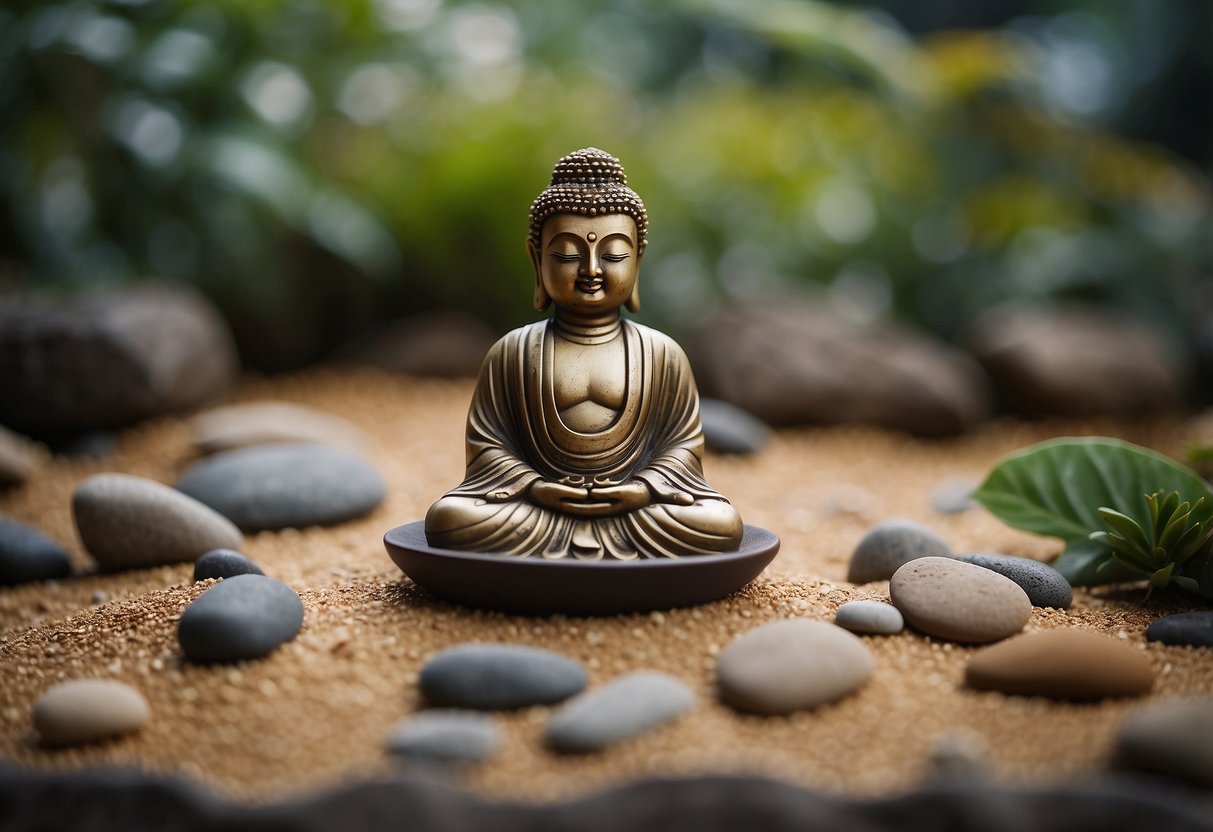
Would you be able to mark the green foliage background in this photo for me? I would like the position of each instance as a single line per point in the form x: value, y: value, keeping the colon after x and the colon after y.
x: 317, y: 166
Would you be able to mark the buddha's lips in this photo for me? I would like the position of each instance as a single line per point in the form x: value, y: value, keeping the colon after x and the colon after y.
x: 589, y: 286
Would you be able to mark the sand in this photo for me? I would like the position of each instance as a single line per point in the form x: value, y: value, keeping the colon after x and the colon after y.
x: 316, y: 713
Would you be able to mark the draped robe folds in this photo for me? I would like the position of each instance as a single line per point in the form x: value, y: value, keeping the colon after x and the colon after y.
x: 515, y: 436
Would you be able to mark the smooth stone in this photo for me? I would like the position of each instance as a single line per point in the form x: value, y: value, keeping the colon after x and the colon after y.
x: 871, y: 617
x: 791, y: 665
x: 287, y: 485
x: 954, y: 495
x: 110, y: 357
x: 728, y: 429
x: 444, y: 343
x: 1194, y: 629
x: 87, y: 710
x: 1062, y: 663
x: 624, y: 707
x: 445, y: 737
x: 1173, y: 738
x: 26, y: 554
x: 1044, y: 585
x: 1077, y: 360
x: 242, y: 617
x: 958, y: 601
x: 801, y: 362
x: 19, y: 458
x: 129, y: 522
x: 270, y: 422
x: 959, y: 756
x: 495, y: 677
x: 224, y: 563
x: 889, y: 545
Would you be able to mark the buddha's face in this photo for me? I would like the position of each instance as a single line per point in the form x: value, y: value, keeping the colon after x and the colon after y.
x: 588, y: 264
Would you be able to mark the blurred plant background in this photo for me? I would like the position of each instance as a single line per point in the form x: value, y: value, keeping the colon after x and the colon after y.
x: 316, y: 166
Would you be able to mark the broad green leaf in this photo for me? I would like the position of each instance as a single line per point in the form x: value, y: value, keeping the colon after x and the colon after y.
x: 1056, y: 488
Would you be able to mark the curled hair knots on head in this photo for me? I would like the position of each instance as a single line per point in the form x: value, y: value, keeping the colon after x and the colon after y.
x: 589, y: 182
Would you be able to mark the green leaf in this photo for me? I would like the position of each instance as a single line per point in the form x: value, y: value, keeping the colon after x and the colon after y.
x: 1081, y: 560
x: 1163, y: 576
x: 1055, y: 488
x: 1127, y: 527
x: 1186, y: 583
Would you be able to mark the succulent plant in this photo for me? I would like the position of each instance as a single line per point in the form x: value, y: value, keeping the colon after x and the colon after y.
x: 1176, y: 534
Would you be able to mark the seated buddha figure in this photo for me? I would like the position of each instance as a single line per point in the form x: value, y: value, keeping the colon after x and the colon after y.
x: 583, y: 437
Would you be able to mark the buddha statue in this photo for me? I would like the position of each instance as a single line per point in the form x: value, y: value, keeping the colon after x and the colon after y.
x: 583, y: 437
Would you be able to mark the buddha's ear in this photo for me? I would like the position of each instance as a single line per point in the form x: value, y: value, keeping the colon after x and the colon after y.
x: 633, y: 302
x: 541, y: 301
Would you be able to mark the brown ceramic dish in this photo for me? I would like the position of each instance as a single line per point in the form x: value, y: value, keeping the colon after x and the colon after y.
x: 533, y: 586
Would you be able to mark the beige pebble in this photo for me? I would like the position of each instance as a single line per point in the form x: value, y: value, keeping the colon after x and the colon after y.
x: 1063, y: 663
x: 949, y: 599
x: 129, y: 522
x: 268, y: 422
x: 18, y: 458
x: 86, y: 710
x: 791, y: 665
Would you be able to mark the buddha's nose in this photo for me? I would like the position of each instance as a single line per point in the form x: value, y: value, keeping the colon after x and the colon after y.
x: 591, y: 266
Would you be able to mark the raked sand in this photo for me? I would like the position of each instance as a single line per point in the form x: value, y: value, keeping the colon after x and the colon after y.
x: 316, y: 713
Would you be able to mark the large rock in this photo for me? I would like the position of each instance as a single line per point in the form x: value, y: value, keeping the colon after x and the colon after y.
x: 959, y: 601
x: 241, y: 617
x: 445, y: 343
x: 110, y: 358
x: 1063, y: 663
x: 804, y: 363
x: 1077, y: 361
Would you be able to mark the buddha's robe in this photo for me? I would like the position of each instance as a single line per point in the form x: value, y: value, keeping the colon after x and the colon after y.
x: 515, y: 437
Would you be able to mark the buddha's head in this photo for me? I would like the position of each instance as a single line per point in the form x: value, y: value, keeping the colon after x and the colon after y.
x: 587, y: 236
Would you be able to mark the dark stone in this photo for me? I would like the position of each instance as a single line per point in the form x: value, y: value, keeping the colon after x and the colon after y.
x: 496, y: 677
x: 26, y: 554
x: 1044, y: 585
x: 1172, y: 738
x: 1184, y: 628
x: 890, y: 545
x: 803, y: 363
x: 243, y: 617
x: 445, y: 343
x: 728, y: 429
x: 287, y: 485
x: 622, y: 708
x: 93, y: 444
x: 32, y: 800
x: 1077, y: 361
x: 107, y: 359
x: 224, y: 563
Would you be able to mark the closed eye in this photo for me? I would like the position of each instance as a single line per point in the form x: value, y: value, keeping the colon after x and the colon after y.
x: 615, y: 258
x: 567, y: 258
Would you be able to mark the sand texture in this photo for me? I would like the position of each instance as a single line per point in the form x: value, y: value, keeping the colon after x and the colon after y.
x: 317, y: 712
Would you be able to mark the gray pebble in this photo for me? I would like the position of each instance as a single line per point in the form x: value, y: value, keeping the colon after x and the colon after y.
x: 224, y: 563
x: 1173, y: 738
x: 791, y: 665
x: 871, y: 617
x: 285, y: 485
x: 1185, y: 628
x: 26, y: 554
x: 87, y: 710
x: 954, y: 495
x: 1044, y: 585
x: 242, y: 617
x: 728, y: 429
x: 622, y: 708
x: 495, y: 677
x: 445, y: 737
x: 889, y: 545
x: 129, y: 522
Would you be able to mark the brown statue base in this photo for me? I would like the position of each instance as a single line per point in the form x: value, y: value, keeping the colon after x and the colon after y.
x: 537, y: 586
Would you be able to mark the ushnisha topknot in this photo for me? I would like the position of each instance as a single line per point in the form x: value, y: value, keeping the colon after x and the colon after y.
x: 589, y: 182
